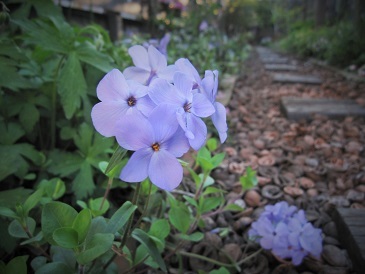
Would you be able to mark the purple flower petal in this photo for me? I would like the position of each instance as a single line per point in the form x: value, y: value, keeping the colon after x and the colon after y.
x: 219, y: 119
x: 112, y: 87
x: 134, y: 132
x: 184, y: 85
x: 163, y: 119
x: 138, y: 74
x: 165, y: 171
x: 145, y: 105
x: 139, y: 56
x: 157, y: 59
x: 160, y: 91
x: 136, y: 170
x: 137, y: 89
x: 178, y: 145
x: 106, y: 114
x: 266, y: 242
x: 185, y: 66
x: 201, y: 106
x: 167, y: 73
x: 199, y: 129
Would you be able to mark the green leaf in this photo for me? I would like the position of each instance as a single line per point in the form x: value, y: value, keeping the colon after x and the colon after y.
x: 98, y: 225
x: 10, y: 133
x: 94, y: 206
x: 71, y: 85
x: 38, y: 262
x: 180, y: 217
x: 212, y: 144
x: 9, y: 198
x: 120, y: 217
x: 56, y: 215
x: 35, y: 239
x: 16, y: 230
x: 12, y: 159
x: 32, y: 201
x: 191, y: 200
x: 146, y: 241
x: 83, y: 184
x: 249, y: 180
x: 232, y: 207
x: 29, y: 116
x: 18, y: 265
x: 82, y: 224
x: 98, y: 245
x: 7, y: 212
x: 194, y: 237
x: 63, y: 255
x: 217, y: 159
x: 87, y: 53
x: 160, y: 229
x: 54, y: 268
x: 66, y: 237
x: 210, y: 203
x: 221, y: 270
x: 54, y: 188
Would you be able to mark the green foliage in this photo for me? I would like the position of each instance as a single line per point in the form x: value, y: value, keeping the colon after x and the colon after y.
x: 249, y: 180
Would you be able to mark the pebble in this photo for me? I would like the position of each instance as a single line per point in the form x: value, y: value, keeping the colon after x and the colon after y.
x: 330, y: 229
x: 334, y: 255
x: 252, y: 198
x: 355, y: 196
x: 339, y: 201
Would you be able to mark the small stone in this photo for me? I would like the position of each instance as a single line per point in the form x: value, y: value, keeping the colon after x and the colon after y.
x: 334, y: 270
x: 311, y: 215
x: 306, y: 183
x: 339, y: 201
x: 252, y: 198
x: 334, y: 256
x: 242, y: 223
x: 233, y: 251
x: 271, y: 192
x: 293, y: 191
x: 312, y: 192
x: 331, y: 241
x: 311, y: 162
x: 355, y: 196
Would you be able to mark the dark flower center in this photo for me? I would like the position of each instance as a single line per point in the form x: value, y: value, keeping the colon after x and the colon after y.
x: 156, y: 146
x: 131, y: 101
x: 187, y: 107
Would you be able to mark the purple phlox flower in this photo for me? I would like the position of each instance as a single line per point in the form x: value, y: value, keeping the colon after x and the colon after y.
x: 203, y: 26
x: 185, y: 66
x: 281, y: 211
x: 118, y: 98
x: 190, y: 106
x: 157, y: 141
x: 149, y: 64
x: 286, y: 232
x: 219, y: 117
x: 165, y: 40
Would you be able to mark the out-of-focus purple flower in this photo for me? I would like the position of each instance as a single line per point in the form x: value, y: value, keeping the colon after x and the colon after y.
x: 203, y: 26
x: 185, y: 66
x: 189, y: 106
x: 219, y: 117
x: 157, y: 141
x: 285, y: 231
x: 118, y: 98
x: 149, y: 64
x: 165, y: 40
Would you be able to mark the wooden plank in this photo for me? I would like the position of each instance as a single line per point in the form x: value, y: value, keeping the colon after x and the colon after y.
x: 281, y: 67
x: 354, y: 244
x: 303, y: 108
x: 297, y: 79
x: 275, y: 60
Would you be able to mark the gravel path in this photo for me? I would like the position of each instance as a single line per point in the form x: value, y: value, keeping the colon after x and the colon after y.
x: 316, y: 165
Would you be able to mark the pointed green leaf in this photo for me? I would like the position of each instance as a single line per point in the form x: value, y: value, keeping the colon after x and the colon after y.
x: 180, y: 217
x: 16, y: 230
x: 146, y: 241
x: 18, y: 265
x: 120, y: 217
x: 83, y: 184
x: 82, y: 224
x: 66, y: 237
x: 56, y: 215
x: 32, y: 200
x: 194, y: 237
x: 7, y: 212
x: 160, y: 229
x: 71, y: 85
x: 98, y: 245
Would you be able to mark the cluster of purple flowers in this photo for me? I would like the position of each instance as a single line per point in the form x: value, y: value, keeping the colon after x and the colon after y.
x: 156, y: 110
x: 285, y: 231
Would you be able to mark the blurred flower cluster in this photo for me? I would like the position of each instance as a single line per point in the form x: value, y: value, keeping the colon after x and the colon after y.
x: 285, y: 231
x: 157, y: 110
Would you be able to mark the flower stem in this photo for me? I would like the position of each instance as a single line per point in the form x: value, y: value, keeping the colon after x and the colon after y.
x: 108, y: 187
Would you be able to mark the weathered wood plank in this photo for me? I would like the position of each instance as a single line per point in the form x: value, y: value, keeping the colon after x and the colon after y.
x: 303, y: 108
x: 354, y: 244
x: 275, y: 60
x: 280, y: 67
x: 297, y: 79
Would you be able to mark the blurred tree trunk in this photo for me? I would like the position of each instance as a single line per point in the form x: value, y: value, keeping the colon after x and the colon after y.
x: 360, y: 17
x: 320, y: 12
x: 152, y: 12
